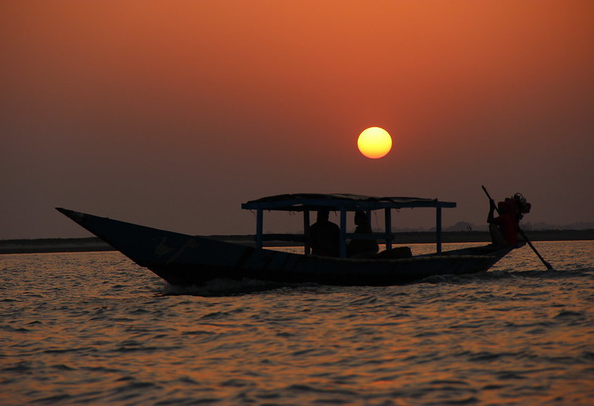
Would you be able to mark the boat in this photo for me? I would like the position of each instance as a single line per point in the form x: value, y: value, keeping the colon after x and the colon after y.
x: 186, y: 260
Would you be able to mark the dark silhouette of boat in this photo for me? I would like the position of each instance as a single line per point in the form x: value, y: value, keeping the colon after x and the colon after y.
x: 186, y: 260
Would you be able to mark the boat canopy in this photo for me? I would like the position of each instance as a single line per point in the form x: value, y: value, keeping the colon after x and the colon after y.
x: 306, y: 202
x: 338, y: 201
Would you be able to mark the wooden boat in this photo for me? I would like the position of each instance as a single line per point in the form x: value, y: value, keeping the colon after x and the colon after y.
x: 184, y: 260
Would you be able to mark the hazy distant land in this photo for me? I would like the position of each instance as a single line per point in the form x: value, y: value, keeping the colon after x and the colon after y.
x: 409, y: 237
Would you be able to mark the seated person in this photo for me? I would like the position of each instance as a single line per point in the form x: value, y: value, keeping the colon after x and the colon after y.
x: 324, y: 236
x: 357, y: 247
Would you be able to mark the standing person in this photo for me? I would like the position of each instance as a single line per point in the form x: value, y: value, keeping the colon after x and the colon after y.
x: 504, y: 228
x: 324, y: 236
x: 362, y: 246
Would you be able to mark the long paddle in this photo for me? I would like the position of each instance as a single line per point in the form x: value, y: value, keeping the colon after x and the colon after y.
x: 549, y: 267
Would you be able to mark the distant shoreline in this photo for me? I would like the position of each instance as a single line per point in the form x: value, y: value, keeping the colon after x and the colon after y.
x: 48, y: 245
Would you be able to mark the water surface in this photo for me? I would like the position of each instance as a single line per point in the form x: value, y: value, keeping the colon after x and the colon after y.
x: 95, y: 328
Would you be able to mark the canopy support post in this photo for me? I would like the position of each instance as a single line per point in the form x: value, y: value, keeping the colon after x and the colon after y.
x: 438, y: 228
x: 259, y: 227
x: 343, y: 232
x: 388, y: 230
x: 306, y: 247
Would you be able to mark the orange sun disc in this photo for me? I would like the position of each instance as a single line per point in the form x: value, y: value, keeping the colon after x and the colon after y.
x: 374, y: 142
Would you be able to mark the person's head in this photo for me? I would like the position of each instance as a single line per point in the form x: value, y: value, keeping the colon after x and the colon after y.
x: 323, y: 215
x: 360, y: 218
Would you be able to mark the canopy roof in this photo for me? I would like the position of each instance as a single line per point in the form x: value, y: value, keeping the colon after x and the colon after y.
x: 338, y: 201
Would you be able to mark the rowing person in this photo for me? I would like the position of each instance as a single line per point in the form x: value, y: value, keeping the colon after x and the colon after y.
x: 505, y: 228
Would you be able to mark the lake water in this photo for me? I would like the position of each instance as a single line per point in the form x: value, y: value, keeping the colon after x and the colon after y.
x: 95, y: 328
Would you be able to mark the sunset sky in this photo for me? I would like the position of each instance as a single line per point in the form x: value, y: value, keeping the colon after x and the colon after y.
x: 173, y: 113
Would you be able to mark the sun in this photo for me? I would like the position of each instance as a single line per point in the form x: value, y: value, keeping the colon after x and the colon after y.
x: 374, y: 142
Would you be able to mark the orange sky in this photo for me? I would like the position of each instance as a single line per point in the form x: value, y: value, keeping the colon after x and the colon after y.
x: 172, y: 113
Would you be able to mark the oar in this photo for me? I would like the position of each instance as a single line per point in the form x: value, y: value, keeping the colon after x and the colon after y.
x: 549, y: 267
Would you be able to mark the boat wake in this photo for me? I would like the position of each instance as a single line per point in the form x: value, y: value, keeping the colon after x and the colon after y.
x: 495, y: 275
x: 227, y: 287
x: 231, y: 287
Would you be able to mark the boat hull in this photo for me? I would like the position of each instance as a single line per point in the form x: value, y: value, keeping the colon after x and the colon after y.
x: 185, y: 260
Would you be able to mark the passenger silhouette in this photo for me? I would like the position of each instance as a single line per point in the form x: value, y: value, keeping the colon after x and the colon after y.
x: 357, y: 247
x: 324, y: 236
